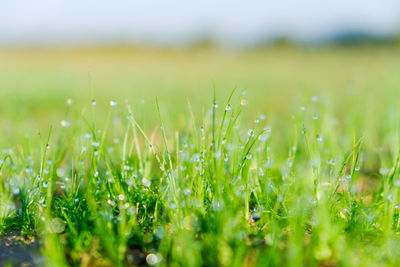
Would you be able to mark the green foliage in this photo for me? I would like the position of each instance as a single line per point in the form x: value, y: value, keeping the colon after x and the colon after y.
x: 116, y: 185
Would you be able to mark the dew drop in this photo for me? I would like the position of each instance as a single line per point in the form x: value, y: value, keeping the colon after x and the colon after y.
x: 65, y: 123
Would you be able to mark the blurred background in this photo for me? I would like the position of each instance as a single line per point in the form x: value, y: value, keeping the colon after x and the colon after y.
x: 279, y: 52
x: 181, y: 23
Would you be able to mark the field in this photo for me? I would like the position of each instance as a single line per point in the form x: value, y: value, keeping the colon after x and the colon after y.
x: 200, y: 157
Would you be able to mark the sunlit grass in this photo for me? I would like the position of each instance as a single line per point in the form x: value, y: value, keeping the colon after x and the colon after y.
x: 252, y: 177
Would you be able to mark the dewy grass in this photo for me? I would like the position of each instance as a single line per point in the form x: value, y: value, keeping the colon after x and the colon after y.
x: 215, y: 191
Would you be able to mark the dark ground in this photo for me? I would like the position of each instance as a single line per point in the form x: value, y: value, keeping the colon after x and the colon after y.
x: 17, y: 250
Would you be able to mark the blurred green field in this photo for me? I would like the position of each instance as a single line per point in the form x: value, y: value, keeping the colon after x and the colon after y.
x: 300, y: 167
x: 35, y: 81
x: 360, y: 83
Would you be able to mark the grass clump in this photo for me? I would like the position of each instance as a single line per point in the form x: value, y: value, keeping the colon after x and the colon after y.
x: 215, y: 191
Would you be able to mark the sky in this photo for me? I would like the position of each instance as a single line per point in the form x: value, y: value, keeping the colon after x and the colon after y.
x: 173, y: 22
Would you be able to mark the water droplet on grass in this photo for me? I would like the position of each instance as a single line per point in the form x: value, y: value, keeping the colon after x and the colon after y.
x: 384, y: 171
x: 263, y: 137
x: 244, y: 102
x: 314, y: 99
x: 57, y: 225
x: 250, y: 133
x: 146, y: 182
x: 152, y: 259
x: 256, y: 216
x: 16, y: 191
x: 60, y: 172
x: 111, y: 202
x: 65, y: 123
x: 95, y: 144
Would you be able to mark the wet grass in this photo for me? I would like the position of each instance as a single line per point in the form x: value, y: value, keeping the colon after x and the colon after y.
x: 217, y: 177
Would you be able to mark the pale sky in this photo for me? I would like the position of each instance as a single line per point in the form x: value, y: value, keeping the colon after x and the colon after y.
x: 174, y: 22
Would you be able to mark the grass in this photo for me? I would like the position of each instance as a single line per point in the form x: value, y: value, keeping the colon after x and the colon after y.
x: 301, y: 168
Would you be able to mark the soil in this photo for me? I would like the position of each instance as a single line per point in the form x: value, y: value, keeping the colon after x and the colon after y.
x: 18, y: 250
